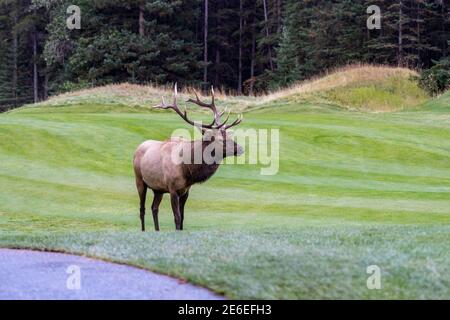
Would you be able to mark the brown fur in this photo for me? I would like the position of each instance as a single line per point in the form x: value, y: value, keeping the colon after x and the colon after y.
x: 155, y: 169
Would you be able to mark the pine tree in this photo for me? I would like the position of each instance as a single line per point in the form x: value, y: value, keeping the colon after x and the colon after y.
x: 148, y: 41
x: 288, y: 67
x: 7, y: 96
x: 17, y: 70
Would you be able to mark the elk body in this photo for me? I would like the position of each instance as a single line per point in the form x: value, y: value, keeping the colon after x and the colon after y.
x: 155, y: 168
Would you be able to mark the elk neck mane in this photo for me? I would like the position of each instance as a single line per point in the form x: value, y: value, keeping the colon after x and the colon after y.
x: 198, y: 173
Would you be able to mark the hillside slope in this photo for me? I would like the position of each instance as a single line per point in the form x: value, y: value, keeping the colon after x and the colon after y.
x: 439, y: 104
x: 359, y: 88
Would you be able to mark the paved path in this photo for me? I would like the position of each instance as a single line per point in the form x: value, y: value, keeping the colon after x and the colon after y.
x: 28, y: 274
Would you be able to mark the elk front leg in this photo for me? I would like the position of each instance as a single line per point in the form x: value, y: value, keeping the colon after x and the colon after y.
x: 142, y: 190
x: 155, y: 208
x: 183, y: 200
x: 175, y: 201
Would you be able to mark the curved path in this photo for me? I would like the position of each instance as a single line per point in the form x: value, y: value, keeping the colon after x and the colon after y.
x: 26, y: 274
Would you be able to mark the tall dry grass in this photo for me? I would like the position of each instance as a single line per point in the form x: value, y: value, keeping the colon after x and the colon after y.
x: 345, y: 76
x: 136, y: 94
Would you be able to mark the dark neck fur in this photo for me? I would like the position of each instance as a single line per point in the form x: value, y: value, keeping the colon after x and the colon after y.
x: 198, y: 173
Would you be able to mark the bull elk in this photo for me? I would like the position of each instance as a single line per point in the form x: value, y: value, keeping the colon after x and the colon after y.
x: 155, y: 168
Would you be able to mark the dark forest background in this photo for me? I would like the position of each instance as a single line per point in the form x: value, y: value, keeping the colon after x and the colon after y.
x: 240, y: 46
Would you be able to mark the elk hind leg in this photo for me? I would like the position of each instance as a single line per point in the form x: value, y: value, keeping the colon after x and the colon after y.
x: 142, y: 190
x: 175, y: 202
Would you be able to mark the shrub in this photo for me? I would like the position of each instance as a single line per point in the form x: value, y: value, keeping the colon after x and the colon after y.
x: 436, y: 80
x: 69, y: 86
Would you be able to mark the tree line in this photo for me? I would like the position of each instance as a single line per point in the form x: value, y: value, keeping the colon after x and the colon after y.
x: 244, y: 46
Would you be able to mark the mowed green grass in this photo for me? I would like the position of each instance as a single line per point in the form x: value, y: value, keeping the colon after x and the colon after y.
x: 354, y: 189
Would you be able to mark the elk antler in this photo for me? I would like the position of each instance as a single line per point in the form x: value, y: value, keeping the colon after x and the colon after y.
x: 212, y: 106
x: 236, y: 122
x: 183, y: 115
x: 216, y: 124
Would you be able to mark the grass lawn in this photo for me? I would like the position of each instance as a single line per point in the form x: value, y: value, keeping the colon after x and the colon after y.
x: 354, y: 189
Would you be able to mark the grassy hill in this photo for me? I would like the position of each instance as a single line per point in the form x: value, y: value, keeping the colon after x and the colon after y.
x: 355, y: 188
x: 363, y: 87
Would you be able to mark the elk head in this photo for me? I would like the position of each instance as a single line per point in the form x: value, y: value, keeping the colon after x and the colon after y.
x: 215, y: 135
